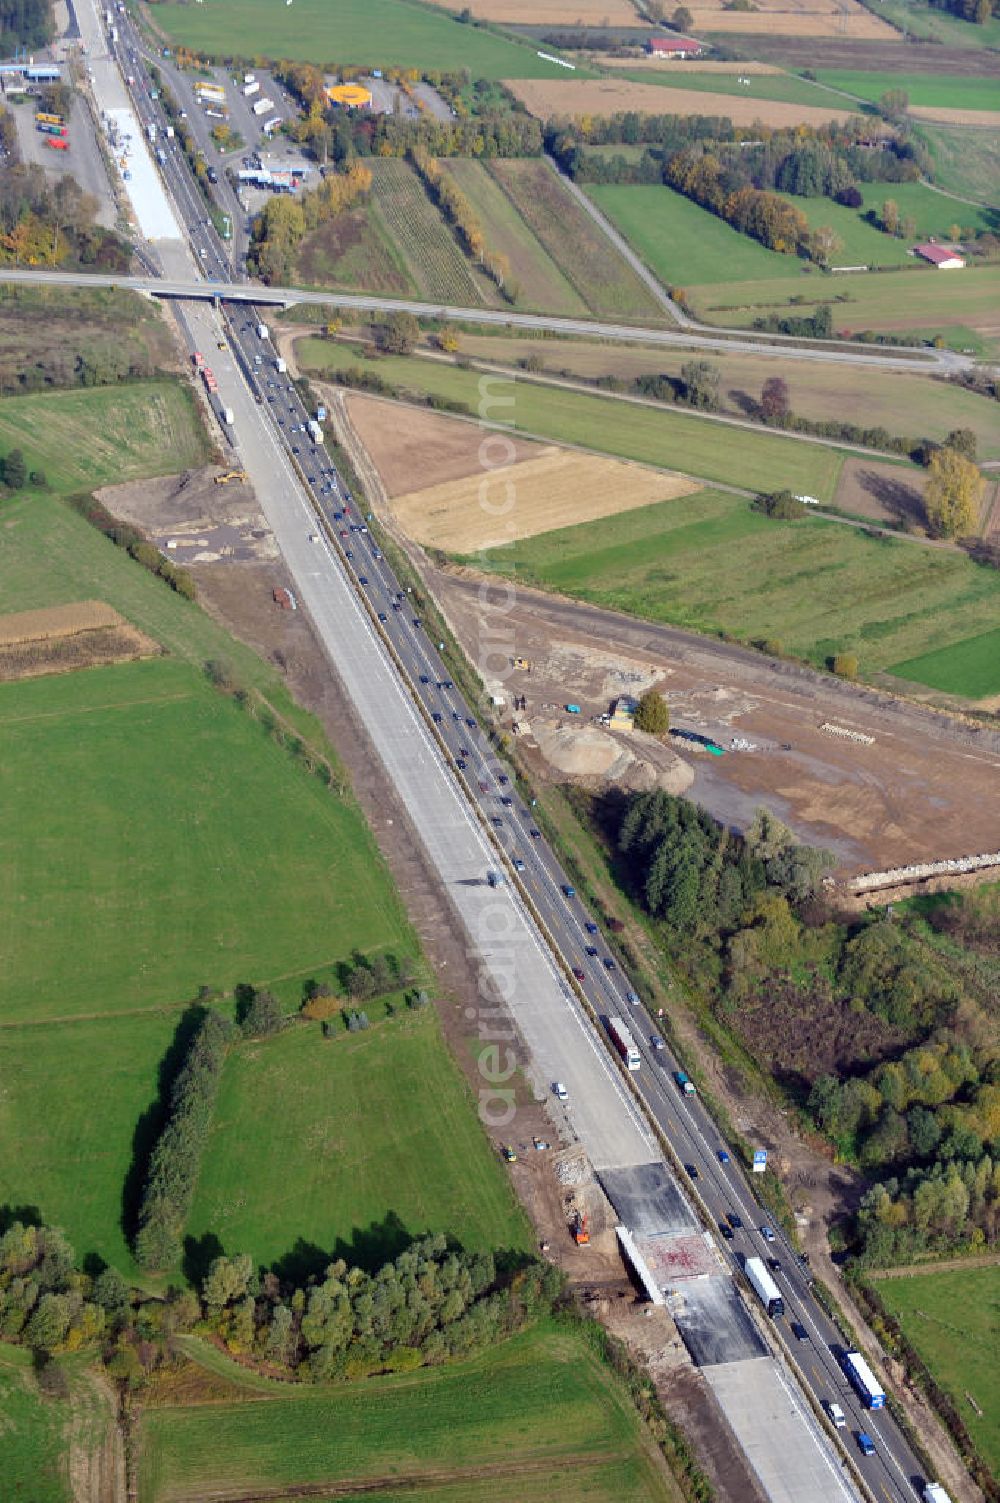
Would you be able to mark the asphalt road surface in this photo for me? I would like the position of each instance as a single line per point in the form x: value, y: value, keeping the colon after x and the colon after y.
x: 474, y: 822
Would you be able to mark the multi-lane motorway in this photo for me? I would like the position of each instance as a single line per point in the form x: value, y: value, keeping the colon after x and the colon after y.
x: 472, y: 819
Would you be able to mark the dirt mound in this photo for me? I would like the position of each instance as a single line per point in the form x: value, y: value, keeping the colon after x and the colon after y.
x: 584, y: 752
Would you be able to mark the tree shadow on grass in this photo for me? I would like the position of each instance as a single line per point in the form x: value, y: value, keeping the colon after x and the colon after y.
x: 369, y: 1247
x: 150, y: 1125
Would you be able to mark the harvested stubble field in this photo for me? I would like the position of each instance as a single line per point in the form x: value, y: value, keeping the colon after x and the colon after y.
x: 546, y: 98
x: 555, y: 489
x: 852, y: 22
x: 982, y: 119
x: 432, y: 255
x: 536, y: 1416
x: 693, y: 67
x: 660, y: 436
x: 56, y: 621
x: 569, y: 13
x: 912, y: 405
x: 606, y: 283
x: 538, y: 279
x: 421, y: 446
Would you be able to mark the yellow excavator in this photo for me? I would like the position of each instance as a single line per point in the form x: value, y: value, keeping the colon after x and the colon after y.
x: 230, y: 475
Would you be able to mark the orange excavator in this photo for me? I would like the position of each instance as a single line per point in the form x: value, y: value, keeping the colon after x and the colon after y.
x: 581, y: 1233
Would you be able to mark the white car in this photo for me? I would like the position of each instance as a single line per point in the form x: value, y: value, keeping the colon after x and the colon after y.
x: 559, y: 1091
x: 314, y: 537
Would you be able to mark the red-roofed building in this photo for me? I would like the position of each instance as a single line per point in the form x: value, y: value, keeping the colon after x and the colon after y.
x: 674, y: 47
x: 941, y: 256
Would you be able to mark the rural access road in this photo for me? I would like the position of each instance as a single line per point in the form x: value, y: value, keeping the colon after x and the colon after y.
x: 921, y: 362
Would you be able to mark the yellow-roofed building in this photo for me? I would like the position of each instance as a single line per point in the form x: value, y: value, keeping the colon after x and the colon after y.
x: 350, y: 96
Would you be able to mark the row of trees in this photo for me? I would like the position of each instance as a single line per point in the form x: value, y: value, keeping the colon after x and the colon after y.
x: 124, y: 535
x: 756, y: 212
x: 457, y: 209
x: 279, y: 229
x: 176, y: 1157
x: 433, y: 1302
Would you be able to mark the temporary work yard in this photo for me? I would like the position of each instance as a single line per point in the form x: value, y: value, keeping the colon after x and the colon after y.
x: 557, y: 488
x: 607, y: 96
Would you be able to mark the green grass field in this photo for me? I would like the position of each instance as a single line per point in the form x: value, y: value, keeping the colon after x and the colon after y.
x: 961, y: 304
x: 35, y: 1451
x: 209, y: 854
x: 953, y: 1319
x: 966, y: 160
x: 539, y: 1412
x: 934, y: 212
x: 90, y: 437
x: 862, y: 244
x: 601, y: 277
x: 681, y: 242
x: 913, y: 405
x: 921, y: 20
x: 709, y: 563
x: 782, y: 86
x: 540, y: 282
x: 364, y: 33
x: 945, y: 91
x: 970, y: 668
x: 73, y: 1095
x: 663, y: 437
x: 361, y: 1128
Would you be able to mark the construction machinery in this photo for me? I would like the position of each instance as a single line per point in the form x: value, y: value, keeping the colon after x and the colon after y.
x: 230, y: 475
x: 509, y: 1154
x: 580, y: 1229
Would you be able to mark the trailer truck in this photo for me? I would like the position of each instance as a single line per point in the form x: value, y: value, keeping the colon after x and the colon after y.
x: 262, y: 106
x: 624, y: 1043
x: 864, y: 1381
x: 315, y: 431
x: 935, y: 1493
x: 262, y: 331
x: 767, y: 1290
x: 251, y: 88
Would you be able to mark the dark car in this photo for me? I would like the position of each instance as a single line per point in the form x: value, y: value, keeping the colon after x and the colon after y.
x: 455, y: 715
x: 424, y: 678
x: 590, y: 927
x: 461, y: 763
x: 416, y: 620
x: 503, y: 780
x: 436, y: 717
x: 774, y: 1264
x: 579, y: 974
x: 726, y: 1231
x: 591, y: 949
x: 691, y: 1170
x: 383, y: 617
x: 471, y: 724
x: 535, y: 834
x: 445, y: 683
x: 865, y: 1443
x: 363, y: 580
x: 497, y: 822
x: 609, y: 964
x: 734, y: 1221
x: 799, y: 1331
x: 507, y: 801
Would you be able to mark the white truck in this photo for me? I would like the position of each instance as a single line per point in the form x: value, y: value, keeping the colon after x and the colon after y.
x: 768, y: 1291
x: 935, y: 1493
x: 315, y: 431
x: 262, y: 331
x: 253, y: 87
x: 263, y: 106
x: 281, y: 366
x: 151, y: 131
x: 624, y: 1043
